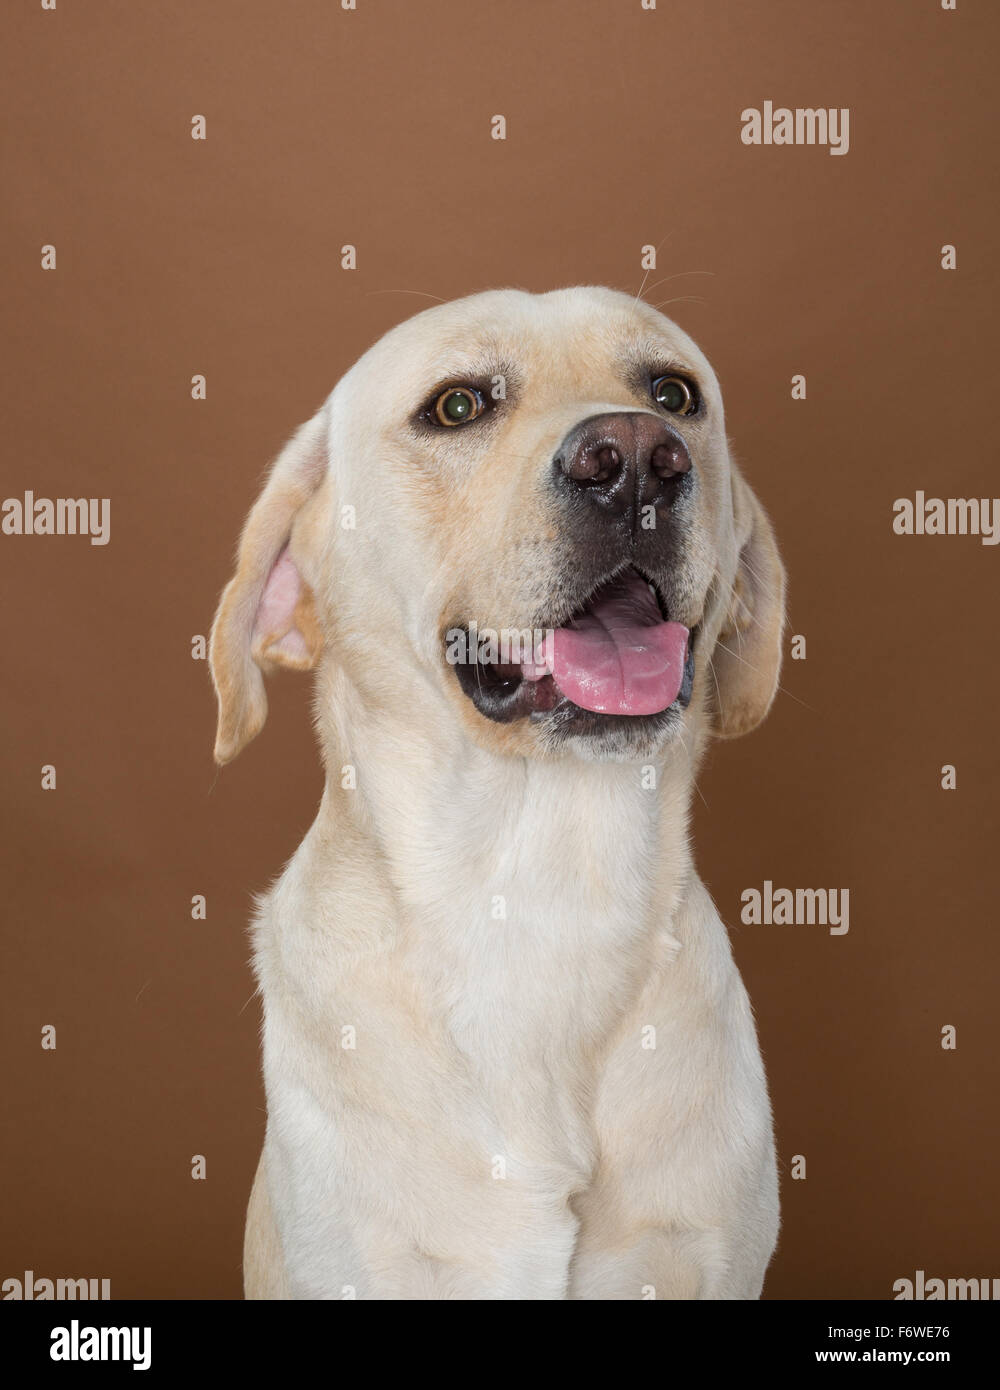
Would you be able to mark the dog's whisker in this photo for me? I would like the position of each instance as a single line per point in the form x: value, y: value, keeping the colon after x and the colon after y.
x: 715, y: 678
x: 681, y: 299
x: 736, y: 657
x: 422, y: 292
x: 679, y: 274
x: 246, y: 1005
x: 656, y: 252
x: 689, y: 754
x: 761, y: 580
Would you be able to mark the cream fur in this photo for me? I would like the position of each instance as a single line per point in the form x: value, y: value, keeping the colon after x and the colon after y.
x: 499, y: 1130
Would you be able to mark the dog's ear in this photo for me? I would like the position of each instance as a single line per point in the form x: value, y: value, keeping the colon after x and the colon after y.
x: 747, y: 655
x: 266, y: 617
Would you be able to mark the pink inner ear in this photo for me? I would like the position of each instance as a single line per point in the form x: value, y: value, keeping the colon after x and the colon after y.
x: 274, y: 627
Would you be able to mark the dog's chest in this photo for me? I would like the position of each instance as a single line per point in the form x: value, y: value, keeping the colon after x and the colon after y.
x: 524, y: 964
x: 483, y: 968
x: 529, y: 939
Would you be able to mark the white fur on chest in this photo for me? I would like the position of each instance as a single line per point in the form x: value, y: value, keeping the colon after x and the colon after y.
x: 488, y: 954
x: 529, y: 908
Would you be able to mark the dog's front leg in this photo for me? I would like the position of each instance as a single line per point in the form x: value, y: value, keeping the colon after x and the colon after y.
x: 524, y: 1258
x: 534, y: 1265
x: 410, y: 1218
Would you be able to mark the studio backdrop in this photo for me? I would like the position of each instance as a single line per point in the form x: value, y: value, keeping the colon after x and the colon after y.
x: 211, y: 211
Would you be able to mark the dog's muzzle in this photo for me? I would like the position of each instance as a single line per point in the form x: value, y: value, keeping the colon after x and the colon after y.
x: 617, y: 654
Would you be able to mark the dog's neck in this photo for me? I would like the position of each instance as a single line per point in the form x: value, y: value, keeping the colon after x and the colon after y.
x: 469, y: 832
x: 526, y: 902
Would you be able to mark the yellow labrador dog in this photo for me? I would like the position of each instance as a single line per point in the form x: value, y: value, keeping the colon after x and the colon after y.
x: 506, y: 1050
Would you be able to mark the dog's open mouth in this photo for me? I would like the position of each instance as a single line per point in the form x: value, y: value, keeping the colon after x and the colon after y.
x: 618, y: 655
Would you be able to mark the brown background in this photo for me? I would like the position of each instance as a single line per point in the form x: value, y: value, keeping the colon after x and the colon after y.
x: 178, y: 257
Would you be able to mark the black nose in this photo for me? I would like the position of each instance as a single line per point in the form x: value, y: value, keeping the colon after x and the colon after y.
x: 623, y: 461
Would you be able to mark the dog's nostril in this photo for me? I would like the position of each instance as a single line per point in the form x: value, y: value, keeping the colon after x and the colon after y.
x: 606, y: 461
x: 670, y: 459
x: 593, y: 465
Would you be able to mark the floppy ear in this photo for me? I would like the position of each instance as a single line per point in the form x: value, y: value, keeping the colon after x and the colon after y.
x: 266, y: 616
x: 747, y: 655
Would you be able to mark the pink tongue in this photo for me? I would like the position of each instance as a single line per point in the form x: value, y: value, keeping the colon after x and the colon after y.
x: 620, y: 657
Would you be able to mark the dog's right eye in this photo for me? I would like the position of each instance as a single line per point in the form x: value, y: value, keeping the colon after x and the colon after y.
x: 457, y: 405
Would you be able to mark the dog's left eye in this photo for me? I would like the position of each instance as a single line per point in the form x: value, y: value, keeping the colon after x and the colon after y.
x: 675, y: 395
x: 457, y: 406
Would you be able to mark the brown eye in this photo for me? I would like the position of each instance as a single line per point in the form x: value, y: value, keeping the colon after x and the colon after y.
x: 674, y: 394
x: 457, y: 406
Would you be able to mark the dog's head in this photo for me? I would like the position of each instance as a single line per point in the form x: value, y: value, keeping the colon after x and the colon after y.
x: 519, y: 510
